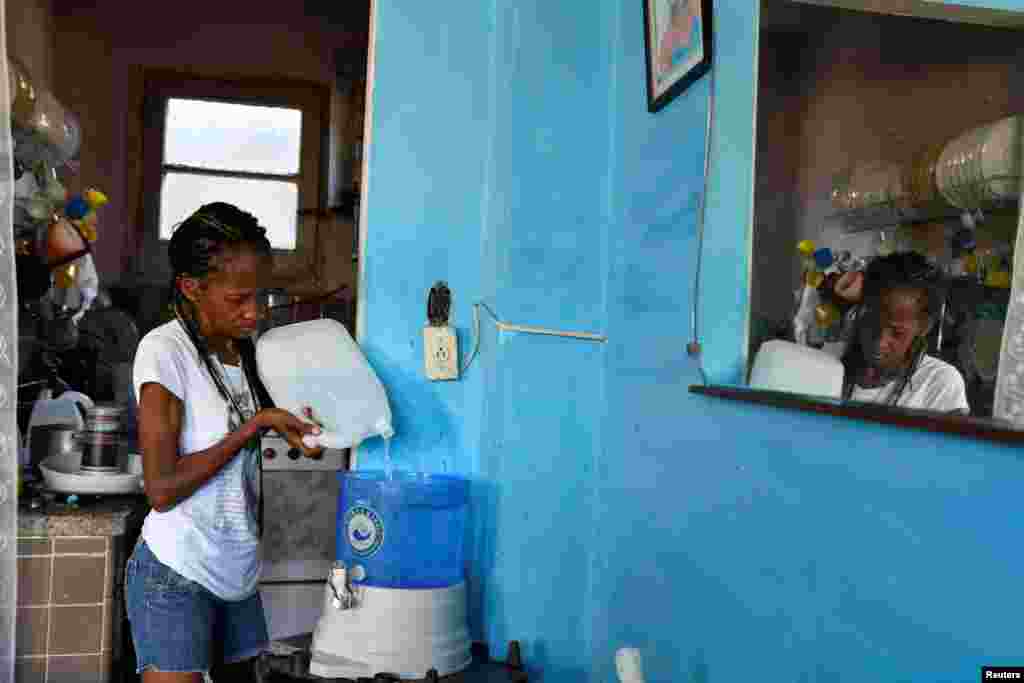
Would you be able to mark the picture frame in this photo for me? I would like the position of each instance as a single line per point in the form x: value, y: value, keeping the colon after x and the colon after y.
x: 678, y: 47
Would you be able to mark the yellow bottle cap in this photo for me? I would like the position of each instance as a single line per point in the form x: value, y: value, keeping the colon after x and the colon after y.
x: 826, y: 315
x: 999, y: 279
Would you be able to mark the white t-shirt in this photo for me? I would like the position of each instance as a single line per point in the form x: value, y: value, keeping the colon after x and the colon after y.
x: 936, y: 385
x: 211, y: 537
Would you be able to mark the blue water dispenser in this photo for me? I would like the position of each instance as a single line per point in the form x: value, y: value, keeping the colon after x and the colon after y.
x: 396, y: 599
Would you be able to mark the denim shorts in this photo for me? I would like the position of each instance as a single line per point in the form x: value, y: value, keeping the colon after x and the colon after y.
x: 179, y: 625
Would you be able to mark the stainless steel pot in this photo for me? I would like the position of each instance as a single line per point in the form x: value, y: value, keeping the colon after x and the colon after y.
x: 47, y: 440
x: 279, y: 309
x: 277, y: 298
x: 103, y: 417
x: 99, y: 451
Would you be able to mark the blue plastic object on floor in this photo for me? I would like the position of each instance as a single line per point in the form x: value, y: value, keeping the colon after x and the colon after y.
x: 406, y: 531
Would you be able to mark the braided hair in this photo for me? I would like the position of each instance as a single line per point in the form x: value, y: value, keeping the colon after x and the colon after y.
x: 197, y: 249
x: 900, y: 271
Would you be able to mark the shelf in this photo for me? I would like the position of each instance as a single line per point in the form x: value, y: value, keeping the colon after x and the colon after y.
x: 865, y: 220
x: 856, y: 221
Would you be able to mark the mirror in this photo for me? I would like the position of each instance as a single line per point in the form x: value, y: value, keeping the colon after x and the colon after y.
x: 889, y: 153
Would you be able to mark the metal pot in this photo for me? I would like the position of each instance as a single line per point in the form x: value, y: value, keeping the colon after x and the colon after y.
x: 47, y: 440
x: 103, y: 417
x: 277, y: 298
x: 99, y: 451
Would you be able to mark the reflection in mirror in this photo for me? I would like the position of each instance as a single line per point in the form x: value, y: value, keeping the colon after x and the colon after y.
x: 889, y: 167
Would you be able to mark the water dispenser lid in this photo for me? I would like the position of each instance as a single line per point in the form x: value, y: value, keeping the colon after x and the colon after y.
x: 318, y: 364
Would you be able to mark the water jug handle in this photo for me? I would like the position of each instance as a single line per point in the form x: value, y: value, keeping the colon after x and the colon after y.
x: 321, y: 440
x: 384, y: 429
x: 324, y: 440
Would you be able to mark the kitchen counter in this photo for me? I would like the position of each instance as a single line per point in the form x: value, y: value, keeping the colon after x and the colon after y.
x: 70, y: 613
x: 105, y: 516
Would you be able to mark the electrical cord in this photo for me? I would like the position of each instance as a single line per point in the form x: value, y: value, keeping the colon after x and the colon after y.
x: 476, y: 333
x: 524, y: 329
x: 694, y: 348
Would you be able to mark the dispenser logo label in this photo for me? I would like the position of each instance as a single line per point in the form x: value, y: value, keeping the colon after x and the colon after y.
x: 365, y: 530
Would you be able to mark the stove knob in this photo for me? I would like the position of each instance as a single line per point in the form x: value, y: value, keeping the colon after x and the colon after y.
x: 294, y: 453
x: 269, y: 454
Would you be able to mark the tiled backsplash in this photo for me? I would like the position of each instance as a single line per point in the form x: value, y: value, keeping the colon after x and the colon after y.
x: 65, y: 591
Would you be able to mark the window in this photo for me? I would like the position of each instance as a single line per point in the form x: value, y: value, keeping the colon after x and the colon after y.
x: 877, y: 134
x: 243, y: 154
x: 260, y: 144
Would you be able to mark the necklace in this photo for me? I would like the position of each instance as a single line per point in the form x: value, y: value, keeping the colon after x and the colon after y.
x: 241, y: 398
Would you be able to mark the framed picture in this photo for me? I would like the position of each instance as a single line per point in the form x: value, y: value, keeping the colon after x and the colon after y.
x: 677, y: 37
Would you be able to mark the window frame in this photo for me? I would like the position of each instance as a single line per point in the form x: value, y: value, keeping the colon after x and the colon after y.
x: 729, y: 229
x: 159, y: 87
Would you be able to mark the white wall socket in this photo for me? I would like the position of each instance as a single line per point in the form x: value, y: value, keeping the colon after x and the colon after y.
x: 440, y: 352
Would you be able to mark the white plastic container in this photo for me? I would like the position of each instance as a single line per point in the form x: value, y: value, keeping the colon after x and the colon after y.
x: 317, y: 364
x: 794, y: 368
x: 405, y: 632
x: 628, y: 665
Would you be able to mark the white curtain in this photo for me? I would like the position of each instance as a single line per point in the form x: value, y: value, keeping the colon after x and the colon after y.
x: 1009, y: 397
x: 8, y: 378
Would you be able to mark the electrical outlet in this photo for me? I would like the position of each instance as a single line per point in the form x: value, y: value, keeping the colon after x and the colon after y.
x: 440, y: 352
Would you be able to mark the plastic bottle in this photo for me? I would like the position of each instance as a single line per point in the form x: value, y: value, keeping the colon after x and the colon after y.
x: 628, y: 665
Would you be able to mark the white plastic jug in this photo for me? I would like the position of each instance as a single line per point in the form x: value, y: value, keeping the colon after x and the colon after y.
x: 793, y: 368
x: 318, y: 364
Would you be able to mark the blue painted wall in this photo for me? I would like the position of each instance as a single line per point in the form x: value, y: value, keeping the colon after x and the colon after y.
x: 513, y: 156
x: 488, y: 168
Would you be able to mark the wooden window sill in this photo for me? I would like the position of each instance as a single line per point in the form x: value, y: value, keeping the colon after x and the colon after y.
x: 986, y: 429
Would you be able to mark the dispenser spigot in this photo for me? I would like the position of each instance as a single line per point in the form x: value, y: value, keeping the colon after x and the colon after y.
x: 340, y: 584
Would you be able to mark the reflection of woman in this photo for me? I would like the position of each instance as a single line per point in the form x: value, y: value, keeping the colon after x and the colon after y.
x: 675, y: 42
x: 886, y: 361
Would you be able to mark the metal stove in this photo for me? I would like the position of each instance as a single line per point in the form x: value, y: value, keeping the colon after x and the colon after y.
x: 300, y: 500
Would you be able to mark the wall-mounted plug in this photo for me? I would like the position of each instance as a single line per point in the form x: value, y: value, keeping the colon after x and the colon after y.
x: 440, y: 343
x: 440, y: 352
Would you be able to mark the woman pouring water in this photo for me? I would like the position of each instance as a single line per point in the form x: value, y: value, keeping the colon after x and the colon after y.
x: 191, y: 582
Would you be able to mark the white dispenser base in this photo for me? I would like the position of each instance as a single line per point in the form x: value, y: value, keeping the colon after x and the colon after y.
x: 405, y: 632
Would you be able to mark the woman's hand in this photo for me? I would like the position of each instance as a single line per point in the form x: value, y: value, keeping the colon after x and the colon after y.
x: 290, y: 427
x: 850, y: 287
x: 169, y: 475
